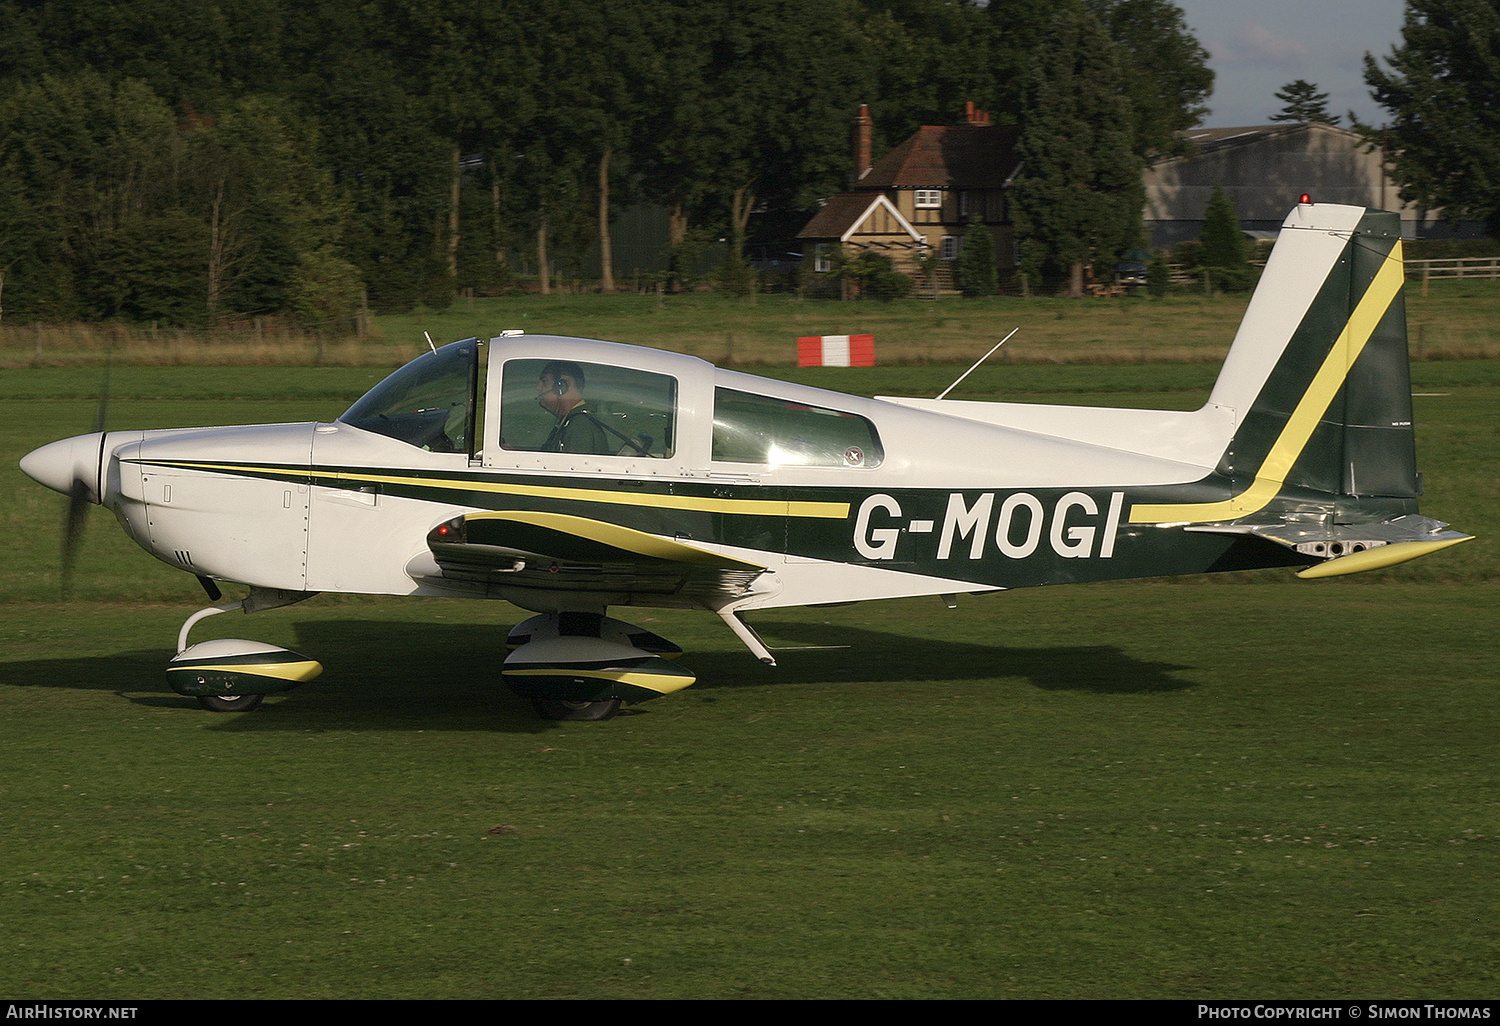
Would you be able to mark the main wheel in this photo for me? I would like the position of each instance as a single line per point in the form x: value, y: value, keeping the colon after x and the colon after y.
x: 558, y: 709
x: 229, y: 703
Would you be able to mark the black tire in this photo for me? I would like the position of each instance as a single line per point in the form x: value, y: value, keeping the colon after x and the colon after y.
x: 558, y: 709
x: 230, y: 703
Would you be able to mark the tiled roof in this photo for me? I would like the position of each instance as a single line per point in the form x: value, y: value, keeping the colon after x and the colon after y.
x: 948, y: 157
x: 838, y: 215
x: 846, y: 211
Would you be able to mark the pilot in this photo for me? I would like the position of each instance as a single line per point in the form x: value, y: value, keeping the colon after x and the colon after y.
x: 559, y: 390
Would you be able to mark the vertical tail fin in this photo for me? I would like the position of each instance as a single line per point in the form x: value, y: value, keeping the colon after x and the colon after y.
x: 1333, y: 413
x: 1317, y: 378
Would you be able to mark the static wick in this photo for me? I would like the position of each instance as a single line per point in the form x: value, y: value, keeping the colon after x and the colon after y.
x: 983, y: 358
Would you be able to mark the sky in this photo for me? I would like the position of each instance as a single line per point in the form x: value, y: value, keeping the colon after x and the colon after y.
x: 1256, y: 47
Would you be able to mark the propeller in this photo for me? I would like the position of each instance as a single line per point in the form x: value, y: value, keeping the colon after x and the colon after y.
x: 81, y: 495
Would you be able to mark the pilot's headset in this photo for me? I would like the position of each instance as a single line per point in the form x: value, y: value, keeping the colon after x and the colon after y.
x: 565, y: 375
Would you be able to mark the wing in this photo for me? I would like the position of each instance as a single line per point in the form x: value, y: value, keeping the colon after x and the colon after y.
x: 561, y: 552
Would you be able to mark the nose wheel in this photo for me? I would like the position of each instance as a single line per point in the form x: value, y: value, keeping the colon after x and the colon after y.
x: 230, y: 703
x: 231, y: 675
x: 561, y: 709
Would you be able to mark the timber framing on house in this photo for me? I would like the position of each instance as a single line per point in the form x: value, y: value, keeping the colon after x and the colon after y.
x: 920, y: 198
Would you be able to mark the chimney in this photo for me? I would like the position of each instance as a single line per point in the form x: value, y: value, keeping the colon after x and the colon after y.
x: 864, y: 132
x: 974, y: 116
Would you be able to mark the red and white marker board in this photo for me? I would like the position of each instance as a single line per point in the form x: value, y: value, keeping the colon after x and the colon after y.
x: 836, y: 351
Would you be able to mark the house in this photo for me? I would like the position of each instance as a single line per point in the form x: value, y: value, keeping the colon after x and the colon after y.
x: 1264, y: 169
x: 919, y: 198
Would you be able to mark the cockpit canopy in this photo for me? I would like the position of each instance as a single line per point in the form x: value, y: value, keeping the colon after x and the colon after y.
x: 604, y: 399
x: 429, y: 403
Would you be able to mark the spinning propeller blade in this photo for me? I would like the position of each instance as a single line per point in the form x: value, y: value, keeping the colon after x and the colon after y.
x: 79, y: 499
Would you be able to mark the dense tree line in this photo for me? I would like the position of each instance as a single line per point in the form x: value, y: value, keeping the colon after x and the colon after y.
x: 187, y: 162
x: 1440, y: 87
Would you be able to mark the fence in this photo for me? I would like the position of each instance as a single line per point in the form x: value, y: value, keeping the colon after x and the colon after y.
x: 1448, y: 268
x: 1453, y: 267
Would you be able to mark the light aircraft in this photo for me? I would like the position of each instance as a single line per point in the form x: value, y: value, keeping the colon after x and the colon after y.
x: 715, y: 490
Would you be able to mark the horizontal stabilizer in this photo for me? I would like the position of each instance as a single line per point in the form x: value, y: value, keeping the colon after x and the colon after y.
x: 1374, y: 559
x: 1349, y: 548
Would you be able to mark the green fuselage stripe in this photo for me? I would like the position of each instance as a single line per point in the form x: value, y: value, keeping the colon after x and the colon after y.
x: 656, y: 500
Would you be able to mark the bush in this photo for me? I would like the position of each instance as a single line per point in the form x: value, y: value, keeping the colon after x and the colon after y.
x: 873, y: 275
x: 977, y: 275
x: 325, y: 291
x: 1158, y: 278
x: 735, y: 276
x: 1233, y: 279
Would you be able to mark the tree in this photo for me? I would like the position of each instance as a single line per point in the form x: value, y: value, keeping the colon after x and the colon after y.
x: 94, y: 166
x: 1167, y: 78
x: 1444, y: 138
x: 1303, y: 103
x: 977, y: 275
x: 930, y: 57
x: 1222, y: 244
x: 1079, y: 195
x: 760, y: 116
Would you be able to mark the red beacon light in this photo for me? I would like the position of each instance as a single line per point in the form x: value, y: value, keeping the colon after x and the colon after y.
x: 1304, y: 199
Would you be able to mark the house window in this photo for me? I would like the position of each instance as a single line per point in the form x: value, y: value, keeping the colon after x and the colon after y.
x: 929, y: 199
x: 950, y: 247
x: 822, y: 260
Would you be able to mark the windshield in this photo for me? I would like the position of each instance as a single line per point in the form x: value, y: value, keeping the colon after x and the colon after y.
x: 428, y: 403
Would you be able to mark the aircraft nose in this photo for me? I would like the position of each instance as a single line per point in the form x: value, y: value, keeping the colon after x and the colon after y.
x: 60, y: 465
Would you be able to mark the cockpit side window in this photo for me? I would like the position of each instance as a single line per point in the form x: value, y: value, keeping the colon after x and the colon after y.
x: 752, y: 428
x: 429, y: 403
x: 592, y: 408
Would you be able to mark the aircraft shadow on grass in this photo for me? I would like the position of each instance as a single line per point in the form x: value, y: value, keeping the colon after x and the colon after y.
x: 447, y: 676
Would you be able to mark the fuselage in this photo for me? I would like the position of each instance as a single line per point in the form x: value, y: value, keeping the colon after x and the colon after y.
x: 837, y: 496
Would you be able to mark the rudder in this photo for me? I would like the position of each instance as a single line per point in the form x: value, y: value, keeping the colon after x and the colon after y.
x: 1334, y: 413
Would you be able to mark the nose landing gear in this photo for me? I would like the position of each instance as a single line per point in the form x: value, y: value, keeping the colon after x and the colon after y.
x: 231, y: 674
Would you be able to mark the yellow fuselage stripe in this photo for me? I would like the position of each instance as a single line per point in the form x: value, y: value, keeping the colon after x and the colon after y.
x: 1271, y: 476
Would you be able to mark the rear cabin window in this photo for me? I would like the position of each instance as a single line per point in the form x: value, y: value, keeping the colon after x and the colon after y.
x: 752, y: 428
x: 594, y: 408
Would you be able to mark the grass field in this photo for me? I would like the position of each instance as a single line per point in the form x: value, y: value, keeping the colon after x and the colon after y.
x: 1453, y: 320
x: 1255, y: 788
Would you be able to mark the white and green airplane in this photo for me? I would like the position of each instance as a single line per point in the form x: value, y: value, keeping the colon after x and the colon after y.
x: 571, y: 477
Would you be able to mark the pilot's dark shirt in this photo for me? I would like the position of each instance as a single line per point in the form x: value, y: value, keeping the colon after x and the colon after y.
x: 578, y: 431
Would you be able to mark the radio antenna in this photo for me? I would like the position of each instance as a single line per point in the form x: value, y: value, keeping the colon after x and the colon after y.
x: 429, y: 342
x: 983, y: 358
